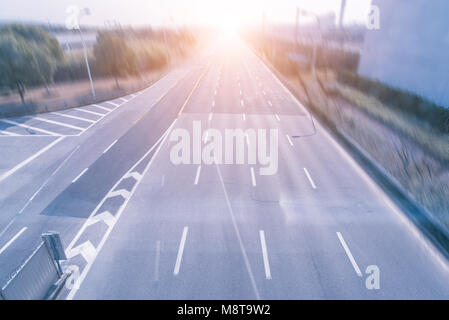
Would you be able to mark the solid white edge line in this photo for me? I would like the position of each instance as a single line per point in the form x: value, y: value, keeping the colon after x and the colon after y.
x: 110, y: 146
x: 289, y: 140
x: 253, y: 177
x: 349, y: 254
x: 310, y: 178
x: 266, y: 262
x: 79, y: 176
x: 26, y: 161
x: 180, y: 251
x: 197, y: 177
x: 12, y: 240
x: 277, y: 117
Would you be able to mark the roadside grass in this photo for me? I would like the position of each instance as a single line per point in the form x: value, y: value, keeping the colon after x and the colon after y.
x: 435, y: 142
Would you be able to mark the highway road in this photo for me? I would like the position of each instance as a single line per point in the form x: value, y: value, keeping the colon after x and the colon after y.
x: 138, y: 226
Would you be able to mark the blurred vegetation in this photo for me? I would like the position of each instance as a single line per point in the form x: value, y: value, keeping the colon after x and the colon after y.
x: 31, y: 57
x: 28, y: 56
x: 436, y: 117
x: 114, y: 57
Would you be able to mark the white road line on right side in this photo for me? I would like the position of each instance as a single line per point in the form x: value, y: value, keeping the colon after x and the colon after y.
x: 289, y: 140
x: 210, y: 116
x: 79, y: 176
x: 310, y: 178
x: 157, y: 260
x: 277, y: 117
x: 197, y: 177
x: 266, y: 263
x: 253, y: 177
x: 110, y: 146
x: 349, y: 254
x: 12, y: 240
x: 180, y: 251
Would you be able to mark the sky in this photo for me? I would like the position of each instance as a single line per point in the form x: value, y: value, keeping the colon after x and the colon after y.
x: 176, y: 12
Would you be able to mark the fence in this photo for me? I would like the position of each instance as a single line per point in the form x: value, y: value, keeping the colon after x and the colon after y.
x: 40, y: 276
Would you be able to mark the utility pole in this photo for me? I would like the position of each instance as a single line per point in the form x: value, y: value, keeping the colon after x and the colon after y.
x: 166, y: 48
x: 297, y: 26
x: 86, y: 11
x: 342, y: 14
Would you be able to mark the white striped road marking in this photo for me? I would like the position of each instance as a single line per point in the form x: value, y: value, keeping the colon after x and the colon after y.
x: 122, y: 192
x: 101, y: 107
x: 79, y: 176
x: 349, y: 254
x: 240, y: 92
x: 247, y: 138
x: 277, y: 117
x: 180, y: 251
x: 264, y: 93
x: 124, y: 100
x: 26, y: 161
x: 158, y: 145
x: 266, y: 263
x: 157, y: 260
x: 9, y: 133
x: 91, y: 112
x: 72, y: 117
x: 213, y: 103
x: 269, y: 103
x: 86, y: 249
x: 242, y: 103
x: 113, y: 104
x: 30, y: 127
x: 289, y: 140
x: 239, y: 237
x: 59, y: 123
x: 210, y: 116
x: 310, y: 178
x: 110, y: 146
x: 105, y: 216
x: 244, y: 117
x: 206, y: 136
x: 197, y: 177
x: 215, y: 92
x: 135, y: 175
x: 239, y: 83
x: 253, y: 177
x: 12, y: 240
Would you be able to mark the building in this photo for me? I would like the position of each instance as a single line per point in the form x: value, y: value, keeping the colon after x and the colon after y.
x: 410, y: 51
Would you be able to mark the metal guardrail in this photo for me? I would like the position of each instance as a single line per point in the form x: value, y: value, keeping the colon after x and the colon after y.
x: 40, y: 276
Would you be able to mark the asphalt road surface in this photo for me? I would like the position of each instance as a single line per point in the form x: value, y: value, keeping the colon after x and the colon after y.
x: 137, y: 226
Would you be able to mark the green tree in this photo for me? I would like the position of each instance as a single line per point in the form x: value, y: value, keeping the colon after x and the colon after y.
x: 114, y: 57
x: 28, y: 56
x: 37, y: 35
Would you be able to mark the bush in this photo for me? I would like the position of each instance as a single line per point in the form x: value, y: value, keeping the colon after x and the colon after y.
x: 437, y: 117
